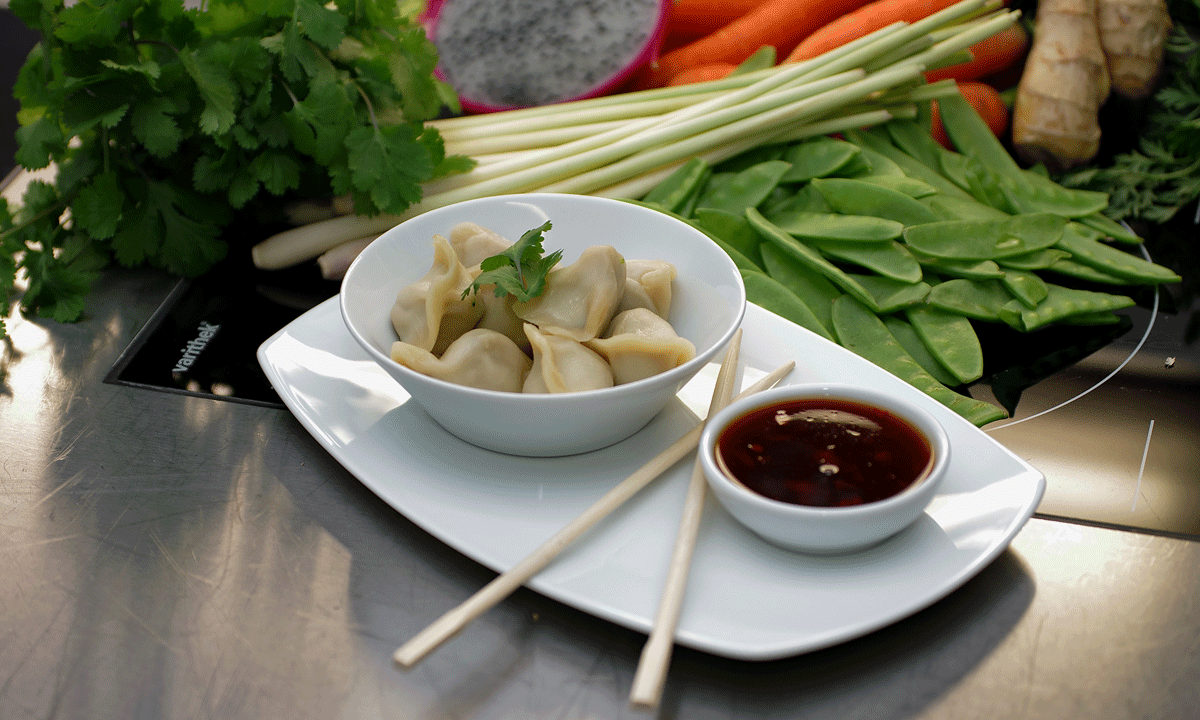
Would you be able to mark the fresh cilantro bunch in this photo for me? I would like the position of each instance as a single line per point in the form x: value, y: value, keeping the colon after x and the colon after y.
x: 163, y: 122
x: 520, y: 270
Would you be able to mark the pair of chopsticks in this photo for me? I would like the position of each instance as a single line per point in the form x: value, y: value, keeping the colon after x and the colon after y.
x: 656, y: 656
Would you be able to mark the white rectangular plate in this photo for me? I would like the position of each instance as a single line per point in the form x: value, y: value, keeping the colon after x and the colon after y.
x: 746, y: 599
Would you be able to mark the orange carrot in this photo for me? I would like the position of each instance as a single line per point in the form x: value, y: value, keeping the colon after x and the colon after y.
x: 987, y: 102
x: 999, y: 52
x: 697, y: 18
x: 703, y: 73
x: 862, y: 21
x: 779, y: 23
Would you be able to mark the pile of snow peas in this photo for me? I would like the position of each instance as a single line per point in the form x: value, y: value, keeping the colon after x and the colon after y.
x: 892, y: 246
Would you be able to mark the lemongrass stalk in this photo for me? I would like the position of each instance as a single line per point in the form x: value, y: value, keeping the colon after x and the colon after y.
x: 296, y: 245
x: 562, y: 168
x: 510, y: 121
x: 965, y: 39
x: 531, y: 140
x: 957, y: 58
x: 949, y: 40
x: 727, y: 83
x: 865, y: 54
x: 758, y: 124
x: 527, y: 159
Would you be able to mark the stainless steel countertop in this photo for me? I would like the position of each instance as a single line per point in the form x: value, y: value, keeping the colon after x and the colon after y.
x: 165, y: 556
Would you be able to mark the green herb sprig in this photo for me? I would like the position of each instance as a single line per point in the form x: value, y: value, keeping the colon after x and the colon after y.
x: 520, y: 270
x: 164, y: 122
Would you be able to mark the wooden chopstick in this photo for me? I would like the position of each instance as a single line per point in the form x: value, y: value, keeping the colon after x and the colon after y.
x: 504, y: 584
x: 652, y: 667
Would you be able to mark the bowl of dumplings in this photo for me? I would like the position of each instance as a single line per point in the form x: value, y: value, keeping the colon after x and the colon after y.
x: 636, y: 305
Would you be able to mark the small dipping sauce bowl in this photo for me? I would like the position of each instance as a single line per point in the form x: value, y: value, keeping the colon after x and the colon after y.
x: 824, y: 468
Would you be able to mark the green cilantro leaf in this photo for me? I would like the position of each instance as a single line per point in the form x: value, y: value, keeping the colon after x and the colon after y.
x: 153, y: 126
x: 38, y: 142
x: 519, y: 270
x: 216, y: 88
x: 324, y: 27
x: 93, y: 209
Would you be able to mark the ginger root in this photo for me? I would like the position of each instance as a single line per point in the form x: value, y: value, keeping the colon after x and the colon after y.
x: 1065, y: 81
x: 1133, y: 34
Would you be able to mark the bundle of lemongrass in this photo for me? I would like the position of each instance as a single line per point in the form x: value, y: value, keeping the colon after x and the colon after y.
x: 621, y: 146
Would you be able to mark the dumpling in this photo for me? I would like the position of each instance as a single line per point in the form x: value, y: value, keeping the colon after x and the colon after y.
x: 431, y: 313
x: 480, y: 358
x: 639, y: 344
x: 475, y: 243
x: 498, y: 315
x: 648, y: 285
x: 561, y: 364
x: 581, y: 298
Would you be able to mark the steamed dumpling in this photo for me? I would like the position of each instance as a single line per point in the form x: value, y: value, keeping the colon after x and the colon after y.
x: 498, y: 315
x: 561, y: 364
x: 648, y: 285
x: 475, y: 243
x: 639, y: 344
x: 480, y: 358
x: 431, y: 313
x: 581, y: 298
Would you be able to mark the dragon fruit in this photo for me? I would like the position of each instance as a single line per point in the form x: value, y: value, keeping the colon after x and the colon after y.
x: 503, y: 54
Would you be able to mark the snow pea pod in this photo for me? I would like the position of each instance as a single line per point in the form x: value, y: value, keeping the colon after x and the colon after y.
x: 819, y: 157
x: 911, y: 187
x: 889, y: 259
x: 913, y: 138
x: 880, y: 165
x: 804, y: 199
x: 857, y: 197
x: 1036, y: 260
x: 986, y: 186
x: 949, y: 207
x: 951, y: 339
x: 747, y: 188
x: 809, y: 257
x: 877, y: 140
x: 813, y: 288
x: 1110, y: 228
x: 912, y: 343
x: 1090, y: 319
x: 986, y: 239
x: 892, y: 295
x: 979, y: 299
x: 969, y: 269
x: 740, y: 260
x: 674, y: 192
x: 1069, y: 268
x: 860, y: 164
x: 835, y: 226
x: 768, y: 293
x: 731, y: 228
x: 1085, y: 249
x: 1061, y: 303
x: 1025, y: 286
x: 863, y: 333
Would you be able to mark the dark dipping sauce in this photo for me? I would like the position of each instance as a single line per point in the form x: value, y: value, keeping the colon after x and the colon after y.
x: 823, y: 452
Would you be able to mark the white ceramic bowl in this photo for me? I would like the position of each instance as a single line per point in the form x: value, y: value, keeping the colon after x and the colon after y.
x: 708, y: 305
x: 826, y: 530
